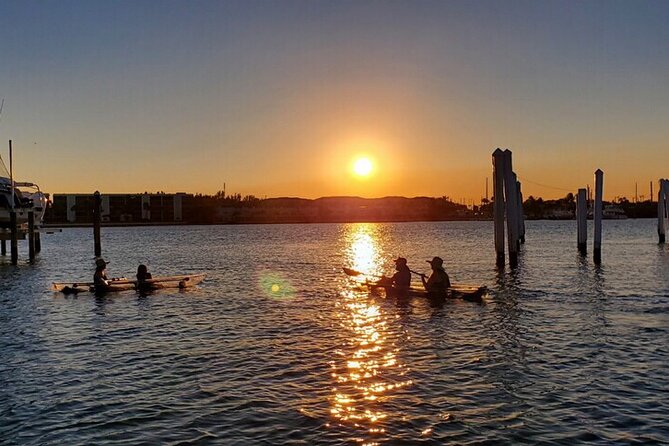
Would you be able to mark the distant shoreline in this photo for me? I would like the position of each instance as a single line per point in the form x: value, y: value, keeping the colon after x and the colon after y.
x: 137, y: 224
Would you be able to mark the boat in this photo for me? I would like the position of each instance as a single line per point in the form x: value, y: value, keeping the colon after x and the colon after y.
x: 471, y: 293
x: 613, y: 212
x: 181, y: 281
x: 22, y: 198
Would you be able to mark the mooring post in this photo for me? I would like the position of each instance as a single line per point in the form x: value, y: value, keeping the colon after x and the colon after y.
x: 498, y: 203
x: 14, y: 244
x: 3, y: 247
x: 97, y: 203
x: 521, y: 213
x: 38, y: 242
x: 511, y: 195
x: 661, y: 211
x: 582, y: 220
x: 31, y: 236
x: 597, y: 215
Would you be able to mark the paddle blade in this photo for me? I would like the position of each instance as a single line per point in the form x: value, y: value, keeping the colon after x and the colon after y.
x: 352, y: 272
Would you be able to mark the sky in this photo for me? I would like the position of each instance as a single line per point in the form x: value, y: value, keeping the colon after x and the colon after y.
x: 278, y: 98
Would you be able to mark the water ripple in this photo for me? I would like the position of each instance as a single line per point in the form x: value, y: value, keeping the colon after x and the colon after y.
x: 279, y: 347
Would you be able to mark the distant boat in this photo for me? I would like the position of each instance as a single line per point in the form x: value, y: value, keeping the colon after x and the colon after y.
x: 26, y: 197
x: 613, y: 212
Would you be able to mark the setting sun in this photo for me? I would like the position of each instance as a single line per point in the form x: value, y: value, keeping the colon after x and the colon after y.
x: 363, y: 167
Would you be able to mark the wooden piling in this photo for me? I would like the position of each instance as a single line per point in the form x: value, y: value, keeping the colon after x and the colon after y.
x: 14, y: 244
x: 582, y: 220
x: 521, y: 213
x: 97, y: 218
x: 597, y: 215
x: 661, y: 211
x: 498, y: 203
x: 3, y: 247
x: 38, y: 242
x: 31, y: 236
x: 511, y: 196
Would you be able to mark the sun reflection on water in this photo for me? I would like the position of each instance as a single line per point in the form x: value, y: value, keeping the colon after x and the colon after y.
x: 366, y: 373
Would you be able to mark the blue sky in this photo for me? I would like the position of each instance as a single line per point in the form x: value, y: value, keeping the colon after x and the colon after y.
x: 276, y: 98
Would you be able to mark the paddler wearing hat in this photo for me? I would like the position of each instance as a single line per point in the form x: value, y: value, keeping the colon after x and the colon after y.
x: 401, y: 280
x: 100, y: 280
x: 438, y: 282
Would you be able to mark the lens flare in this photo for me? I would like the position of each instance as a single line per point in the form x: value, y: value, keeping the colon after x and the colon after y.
x: 275, y: 286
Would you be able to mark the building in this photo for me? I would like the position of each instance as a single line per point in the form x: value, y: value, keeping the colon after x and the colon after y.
x: 118, y: 208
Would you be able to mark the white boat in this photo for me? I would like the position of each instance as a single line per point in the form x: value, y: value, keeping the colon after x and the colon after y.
x: 613, y: 212
x: 26, y: 197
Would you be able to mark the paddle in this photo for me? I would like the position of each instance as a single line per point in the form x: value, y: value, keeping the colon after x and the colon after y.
x: 354, y: 273
x: 417, y: 273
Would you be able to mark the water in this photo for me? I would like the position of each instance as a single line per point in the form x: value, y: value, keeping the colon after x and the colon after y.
x: 278, y: 346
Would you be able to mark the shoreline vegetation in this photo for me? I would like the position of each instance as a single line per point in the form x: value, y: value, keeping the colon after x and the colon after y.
x: 202, y: 209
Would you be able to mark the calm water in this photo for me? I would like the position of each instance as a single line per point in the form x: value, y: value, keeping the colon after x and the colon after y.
x: 278, y: 346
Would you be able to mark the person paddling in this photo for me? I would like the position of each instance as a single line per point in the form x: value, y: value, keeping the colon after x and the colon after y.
x: 100, y: 280
x: 399, y: 283
x: 438, y: 282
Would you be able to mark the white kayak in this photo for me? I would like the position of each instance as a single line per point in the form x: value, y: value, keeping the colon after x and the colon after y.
x: 182, y: 281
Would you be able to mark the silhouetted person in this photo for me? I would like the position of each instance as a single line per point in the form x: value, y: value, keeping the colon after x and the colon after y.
x: 398, y: 284
x: 143, y: 273
x: 100, y: 280
x: 438, y: 282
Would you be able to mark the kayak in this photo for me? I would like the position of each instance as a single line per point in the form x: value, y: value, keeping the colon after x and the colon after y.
x: 471, y: 293
x: 182, y: 281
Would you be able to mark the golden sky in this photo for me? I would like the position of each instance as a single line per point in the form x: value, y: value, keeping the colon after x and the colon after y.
x: 278, y: 99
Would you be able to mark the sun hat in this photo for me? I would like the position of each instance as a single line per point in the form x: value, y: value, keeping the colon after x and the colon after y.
x: 436, y: 261
x: 400, y: 260
x: 100, y: 262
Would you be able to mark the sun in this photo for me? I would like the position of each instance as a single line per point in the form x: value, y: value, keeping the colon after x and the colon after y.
x: 363, y: 166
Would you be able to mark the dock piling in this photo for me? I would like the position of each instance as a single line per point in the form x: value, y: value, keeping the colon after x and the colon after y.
x: 31, y: 236
x: 511, y: 196
x: 662, y: 210
x: 582, y: 221
x: 38, y: 242
x: 521, y: 214
x: 498, y: 203
x: 97, y: 203
x: 3, y: 247
x: 597, y: 215
x: 508, y: 203
x: 14, y: 243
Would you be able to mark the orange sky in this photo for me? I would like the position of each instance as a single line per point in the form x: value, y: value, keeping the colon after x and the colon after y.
x: 278, y: 99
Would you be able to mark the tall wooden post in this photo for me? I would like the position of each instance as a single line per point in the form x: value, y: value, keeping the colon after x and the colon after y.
x: 661, y: 210
x: 498, y: 203
x: 38, y: 242
x: 3, y: 247
x: 597, y: 215
x: 521, y: 213
x: 582, y: 220
x: 31, y: 236
x: 14, y: 244
x: 511, y: 196
x: 97, y: 203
